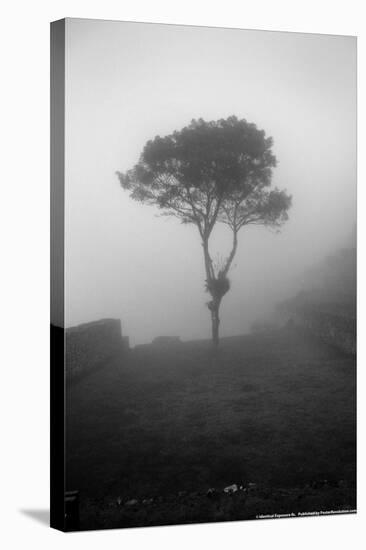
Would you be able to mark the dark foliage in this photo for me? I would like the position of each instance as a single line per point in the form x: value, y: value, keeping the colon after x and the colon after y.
x: 210, y: 171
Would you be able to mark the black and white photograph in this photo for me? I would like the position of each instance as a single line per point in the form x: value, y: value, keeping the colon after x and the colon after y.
x: 209, y: 274
x: 182, y: 265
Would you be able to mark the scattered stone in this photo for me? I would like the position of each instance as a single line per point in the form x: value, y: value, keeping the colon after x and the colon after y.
x: 132, y: 502
x: 213, y: 494
x: 231, y: 488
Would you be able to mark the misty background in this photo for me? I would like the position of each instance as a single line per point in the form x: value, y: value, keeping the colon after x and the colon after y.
x: 127, y: 83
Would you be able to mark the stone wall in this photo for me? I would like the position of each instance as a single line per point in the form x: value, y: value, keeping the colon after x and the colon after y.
x: 327, y: 304
x: 337, y: 330
x: 334, y: 324
x: 90, y: 344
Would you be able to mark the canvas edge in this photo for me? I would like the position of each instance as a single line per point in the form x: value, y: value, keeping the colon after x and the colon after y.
x: 57, y: 246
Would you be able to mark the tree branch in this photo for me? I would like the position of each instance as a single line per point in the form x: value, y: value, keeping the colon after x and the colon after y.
x: 225, y: 270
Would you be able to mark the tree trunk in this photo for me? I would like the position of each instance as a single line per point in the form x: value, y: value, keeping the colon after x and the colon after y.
x: 215, y: 326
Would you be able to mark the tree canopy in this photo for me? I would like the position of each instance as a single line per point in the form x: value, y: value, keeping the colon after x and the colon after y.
x: 210, y: 171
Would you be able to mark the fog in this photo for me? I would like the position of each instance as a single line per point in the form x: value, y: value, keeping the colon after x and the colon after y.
x: 127, y: 83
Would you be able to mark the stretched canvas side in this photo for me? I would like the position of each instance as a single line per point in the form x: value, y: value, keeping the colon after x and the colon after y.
x: 57, y: 377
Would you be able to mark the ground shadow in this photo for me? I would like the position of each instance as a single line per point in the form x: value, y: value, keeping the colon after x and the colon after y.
x: 42, y: 516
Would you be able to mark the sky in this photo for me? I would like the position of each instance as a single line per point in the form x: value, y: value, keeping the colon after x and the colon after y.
x: 127, y: 83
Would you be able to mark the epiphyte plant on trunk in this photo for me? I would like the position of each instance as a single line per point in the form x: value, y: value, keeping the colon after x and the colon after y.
x: 208, y: 173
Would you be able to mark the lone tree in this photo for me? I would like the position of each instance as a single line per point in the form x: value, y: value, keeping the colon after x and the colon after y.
x: 208, y: 173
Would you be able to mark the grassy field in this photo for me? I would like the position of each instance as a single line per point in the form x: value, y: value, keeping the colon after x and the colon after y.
x: 276, y: 410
